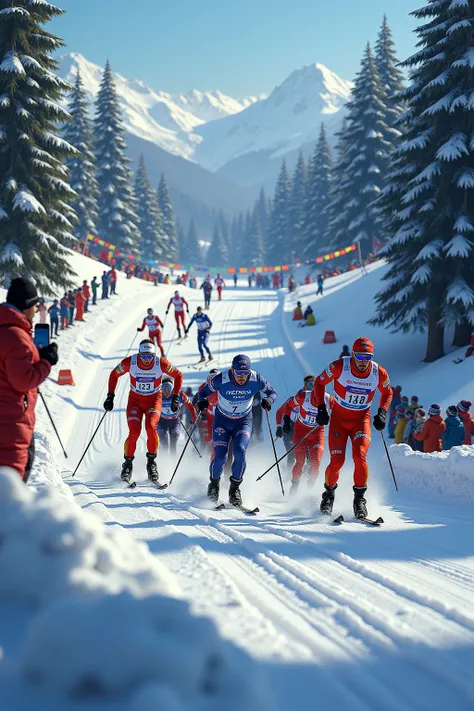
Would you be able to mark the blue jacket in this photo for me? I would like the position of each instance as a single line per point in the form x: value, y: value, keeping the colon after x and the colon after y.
x: 235, y: 401
x: 453, y: 436
x: 54, y: 311
x: 203, y: 322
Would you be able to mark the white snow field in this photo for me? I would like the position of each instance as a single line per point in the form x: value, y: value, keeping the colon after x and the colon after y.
x: 350, y: 617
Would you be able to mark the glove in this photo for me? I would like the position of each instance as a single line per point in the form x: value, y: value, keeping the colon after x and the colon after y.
x: 187, y: 311
x: 279, y: 432
x: 286, y: 424
x: 109, y: 402
x: 139, y: 329
x: 49, y: 353
x: 166, y: 313
x: 379, y: 419
x: 322, y: 418
x: 202, y: 405
x: 266, y: 403
x: 174, y: 403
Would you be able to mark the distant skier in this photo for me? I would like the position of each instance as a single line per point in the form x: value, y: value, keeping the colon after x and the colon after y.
x: 169, y: 425
x: 236, y: 389
x: 356, y: 380
x: 235, y: 280
x: 320, y: 282
x: 204, y: 325
x: 146, y: 371
x: 154, y: 325
x: 206, y: 286
x: 179, y: 303
x: 220, y: 284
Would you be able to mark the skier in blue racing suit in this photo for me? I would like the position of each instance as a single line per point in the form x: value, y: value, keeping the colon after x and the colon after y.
x: 204, y: 325
x: 235, y: 389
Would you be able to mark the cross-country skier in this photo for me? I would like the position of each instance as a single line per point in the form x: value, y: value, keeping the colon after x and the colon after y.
x: 179, y: 303
x: 207, y: 417
x: 233, y: 420
x: 356, y: 380
x: 310, y: 449
x: 204, y: 325
x: 169, y: 425
x: 206, y: 286
x: 146, y: 371
x: 154, y: 325
x: 220, y: 284
x: 285, y: 425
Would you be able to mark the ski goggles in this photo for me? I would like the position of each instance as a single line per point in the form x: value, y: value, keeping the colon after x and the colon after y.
x: 363, y: 356
x: 147, y: 356
x: 239, y: 373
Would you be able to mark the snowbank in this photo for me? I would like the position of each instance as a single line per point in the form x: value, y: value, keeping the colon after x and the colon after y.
x: 448, y: 473
x: 99, y: 626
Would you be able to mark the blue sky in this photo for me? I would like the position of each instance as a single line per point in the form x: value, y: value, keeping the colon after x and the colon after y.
x: 241, y: 47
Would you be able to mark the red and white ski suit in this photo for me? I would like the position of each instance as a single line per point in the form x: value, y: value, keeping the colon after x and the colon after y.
x: 353, y: 395
x: 220, y: 284
x: 179, y: 303
x: 207, y: 420
x: 312, y: 448
x: 154, y: 325
x: 144, y: 399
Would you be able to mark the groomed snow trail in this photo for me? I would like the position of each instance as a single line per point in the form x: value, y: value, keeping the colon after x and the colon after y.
x: 359, y: 618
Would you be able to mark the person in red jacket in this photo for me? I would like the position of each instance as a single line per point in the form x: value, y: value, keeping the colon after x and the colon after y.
x: 432, y: 430
x: 356, y: 379
x: 467, y: 420
x: 80, y: 303
x: 86, y: 290
x: 154, y: 325
x: 220, y: 284
x: 179, y: 303
x: 22, y: 369
x: 146, y: 372
x: 207, y: 418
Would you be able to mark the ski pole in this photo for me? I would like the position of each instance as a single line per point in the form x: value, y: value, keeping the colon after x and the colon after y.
x: 192, y: 441
x: 91, y: 440
x: 287, y: 453
x: 389, y: 461
x: 277, y: 464
x: 131, y: 344
x: 52, y: 422
x: 185, y: 447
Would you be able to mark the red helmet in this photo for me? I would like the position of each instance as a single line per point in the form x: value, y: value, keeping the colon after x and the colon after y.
x: 363, y: 345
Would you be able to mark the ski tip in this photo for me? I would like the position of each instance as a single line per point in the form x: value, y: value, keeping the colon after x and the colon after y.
x: 339, y: 519
x: 132, y: 485
x: 379, y: 520
x: 219, y: 507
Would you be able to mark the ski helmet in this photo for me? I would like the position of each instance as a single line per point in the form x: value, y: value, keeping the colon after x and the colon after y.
x: 363, y: 345
x: 147, y: 347
x: 167, y: 380
x: 241, y: 362
x: 149, y: 311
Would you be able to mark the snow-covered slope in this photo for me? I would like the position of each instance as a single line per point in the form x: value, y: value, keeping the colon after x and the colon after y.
x: 289, y: 118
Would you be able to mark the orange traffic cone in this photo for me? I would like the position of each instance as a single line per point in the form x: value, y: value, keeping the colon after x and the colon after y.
x: 65, y: 377
x: 329, y: 337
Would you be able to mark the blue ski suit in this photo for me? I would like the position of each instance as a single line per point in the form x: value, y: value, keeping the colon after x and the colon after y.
x: 204, y: 325
x: 233, y: 418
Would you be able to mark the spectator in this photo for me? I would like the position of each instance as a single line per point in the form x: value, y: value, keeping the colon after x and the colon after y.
x: 470, y: 349
x: 309, y: 317
x: 22, y: 369
x: 414, y: 404
x: 64, y: 310
x: 113, y: 281
x: 94, y: 287
x: 105, y: 285
x: 320, y: 282
x: 432, y: 430
x: 419, y: 420
x: 453, y: 435
x: 72, y: 305
x: 298, y: 312
x: 80, y: 302
x: 345, y: 352
x: 409, y: 428
x: 307, y: 279
x: 467, y: 420
x: 54, y: 312
x: 87, y: 295
x: 249, y: 280
x: 235, y: 280
x: 42, y: 310
x: 400, y: 423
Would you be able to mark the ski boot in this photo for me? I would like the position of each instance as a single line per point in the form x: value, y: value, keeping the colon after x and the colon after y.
x: 210, y: 358
x: 294, y: 487
x: 213, y: 490
x: 202, y: 359
x: 327, y: 500
x: 127, y: 468
x: 151, y: 468
x: 179, y: 332
x: 235, y: 497
x: 360, y: 503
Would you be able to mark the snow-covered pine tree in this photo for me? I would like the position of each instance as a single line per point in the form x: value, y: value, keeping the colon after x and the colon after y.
x: 255, y: 249
x: 299, y: 195
x: 218, y: 253
x: 182, y: 241
x: 153, y: 244
x: 82, y: 168
x: 117, y: 216
x: 428, y: 201
x: 279, y: 229
x: 169, y: 222
x: 194, y: 255
x: 387, y: 65
x: 263, y: 208
x: 35, y: 217
x: 368, y: 142
x: 318, y: 196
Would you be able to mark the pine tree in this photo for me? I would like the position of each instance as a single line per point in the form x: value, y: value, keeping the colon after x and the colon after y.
x: 194, y: 254
x: 263, y: 209
x: 153, y: 243
x: 428, y: 201
x: 182, y: 241
x: 390, y: 75
x: 279, y: 230
x: 35, y: 217
x: 299, y: 195
x: 218, y: 254
x: 82, y: 168
x: 117, y: 216
x: 169, y: 223
x: 319, y: 191
x: 255, y: 252
x: 369, y: 140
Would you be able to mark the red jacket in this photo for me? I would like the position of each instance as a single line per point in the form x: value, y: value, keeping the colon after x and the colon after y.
x: 86, y: 291
x: 431, y: 434
x: 21, y: 372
